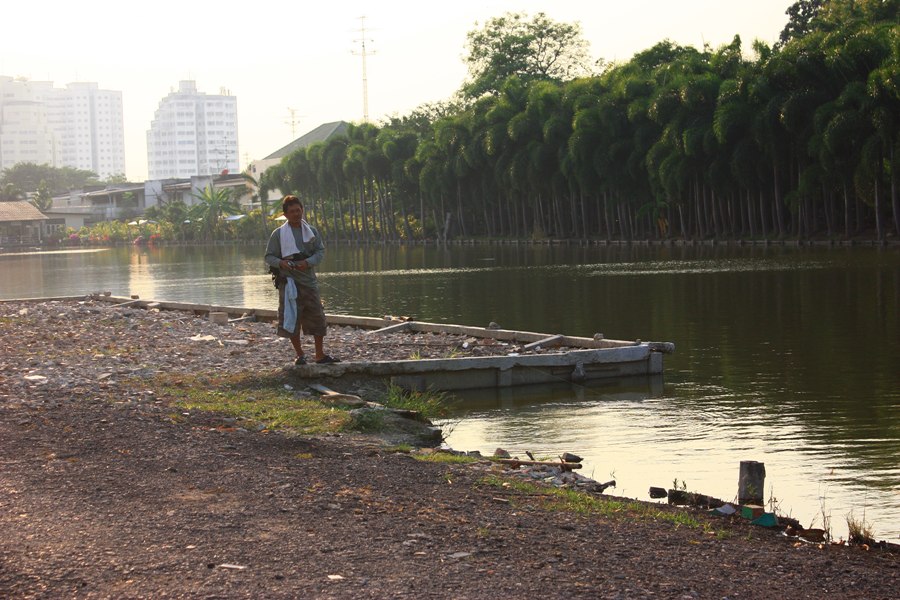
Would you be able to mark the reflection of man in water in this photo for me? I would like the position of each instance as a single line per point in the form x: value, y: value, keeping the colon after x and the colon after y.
x: 294, y: 249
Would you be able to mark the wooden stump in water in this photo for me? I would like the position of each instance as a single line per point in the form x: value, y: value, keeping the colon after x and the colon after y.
x: 751, y: 482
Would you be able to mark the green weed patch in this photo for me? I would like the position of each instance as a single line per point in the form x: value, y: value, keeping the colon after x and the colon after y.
x: 429, y: 404
x: 261, y: 400
x: 445, y: 458
x: 568, y: 500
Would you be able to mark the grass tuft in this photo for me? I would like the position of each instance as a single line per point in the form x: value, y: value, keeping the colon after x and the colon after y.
x: 369, y: 421
x: 261, y: 400
x: 859, y: 530
x: 430, y: 404
x: 568, y: 500
x: 400, y: 449
x: 445, y: 458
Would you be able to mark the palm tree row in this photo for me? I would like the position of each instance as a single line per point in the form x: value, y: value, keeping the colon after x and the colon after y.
x: 800, y: 141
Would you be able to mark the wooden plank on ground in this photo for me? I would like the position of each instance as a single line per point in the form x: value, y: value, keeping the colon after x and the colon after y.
x: 48, y: 299
x: 129, y: 303
x: 244, y: 318
x: 356, y: 321
x: 511, y: 335
x: 392, y: 328
x: 188, y: 306
x: 516, y: 462
x: 382, y: 323
x: 553, y: 340
x: 322, y: 389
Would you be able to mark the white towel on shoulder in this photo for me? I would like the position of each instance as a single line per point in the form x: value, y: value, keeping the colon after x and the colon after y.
x: 288, y: 244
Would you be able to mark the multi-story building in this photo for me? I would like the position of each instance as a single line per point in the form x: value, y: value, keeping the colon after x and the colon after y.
x: 80, y: 126
x: 193, y: 133
x: 94, y: 124
x: 25, y: 134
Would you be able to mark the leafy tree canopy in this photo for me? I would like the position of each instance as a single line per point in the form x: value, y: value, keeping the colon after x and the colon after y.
x: 810, y: 16
x: 9, y: 192
x: 27, y: 177
x: 800, y: 19
x: 532, y: 49
x: 115, y: 179
x: 43, y: 199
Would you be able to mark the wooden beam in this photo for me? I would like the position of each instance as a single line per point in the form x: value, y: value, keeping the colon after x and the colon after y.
x: 417, y: 326
x: 392, y: 328
x: 322, y: 389
x: 245, y: 318
x: 553, y: 340
x: 515, y: 462
x: 129, y: 303
x: 48, y: 299
x: 511, y: 335
x: 356, y: 321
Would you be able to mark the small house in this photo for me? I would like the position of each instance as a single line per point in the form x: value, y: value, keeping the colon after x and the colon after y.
x: 20, y: 223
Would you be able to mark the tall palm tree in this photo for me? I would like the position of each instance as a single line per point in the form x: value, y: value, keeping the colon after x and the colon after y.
x: 253, y: 188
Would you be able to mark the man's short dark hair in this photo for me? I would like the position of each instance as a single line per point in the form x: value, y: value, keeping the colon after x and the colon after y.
x: 288, y: 200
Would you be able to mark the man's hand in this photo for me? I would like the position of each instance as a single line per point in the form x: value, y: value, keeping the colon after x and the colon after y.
x: 295, y: 265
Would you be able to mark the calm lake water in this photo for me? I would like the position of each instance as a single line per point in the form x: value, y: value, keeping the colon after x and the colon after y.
x: 789, y: 356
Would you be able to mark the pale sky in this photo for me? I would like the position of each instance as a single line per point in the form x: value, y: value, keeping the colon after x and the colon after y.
x: 274, y: 55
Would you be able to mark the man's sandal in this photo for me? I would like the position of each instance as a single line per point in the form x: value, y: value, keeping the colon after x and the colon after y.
x: 327, y: 360
x: 301, y: 360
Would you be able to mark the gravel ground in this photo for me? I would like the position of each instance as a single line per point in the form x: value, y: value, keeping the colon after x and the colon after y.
x: 103, y: 495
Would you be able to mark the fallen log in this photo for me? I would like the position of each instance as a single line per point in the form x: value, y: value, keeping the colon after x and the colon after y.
x: 515, y: 462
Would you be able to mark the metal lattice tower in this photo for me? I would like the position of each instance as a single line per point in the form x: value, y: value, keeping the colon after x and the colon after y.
x: 364, y: 53
x: 293, y: 121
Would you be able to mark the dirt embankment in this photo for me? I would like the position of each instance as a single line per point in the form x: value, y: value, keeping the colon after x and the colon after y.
x: 109, y: 490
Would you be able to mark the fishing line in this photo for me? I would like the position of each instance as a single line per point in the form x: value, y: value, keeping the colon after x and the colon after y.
x: 360, y: 301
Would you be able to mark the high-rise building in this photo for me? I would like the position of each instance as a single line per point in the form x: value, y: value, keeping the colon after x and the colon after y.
x: 80, y: 126
x: 193, y: 133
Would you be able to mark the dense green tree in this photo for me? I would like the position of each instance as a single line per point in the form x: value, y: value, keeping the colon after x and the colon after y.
x: 116, y: 178
x: 800, y: 140
x: 530, y: 49
x: 800, y: 22
x: 27, y: 176
x: 42, y: 199
x: 10, y: 192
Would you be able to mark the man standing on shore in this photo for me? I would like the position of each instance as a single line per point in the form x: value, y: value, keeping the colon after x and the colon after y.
x: 293, y: 251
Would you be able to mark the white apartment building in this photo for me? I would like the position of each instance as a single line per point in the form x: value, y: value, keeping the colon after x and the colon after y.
x: 80, y: 126
x: 192, y: 134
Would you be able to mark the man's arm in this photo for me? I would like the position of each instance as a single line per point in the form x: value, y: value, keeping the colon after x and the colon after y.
x: 273, y: 250
x: 319, y: 254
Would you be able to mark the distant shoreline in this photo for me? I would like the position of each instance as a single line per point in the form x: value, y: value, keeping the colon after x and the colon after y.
x: 786, y: 242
